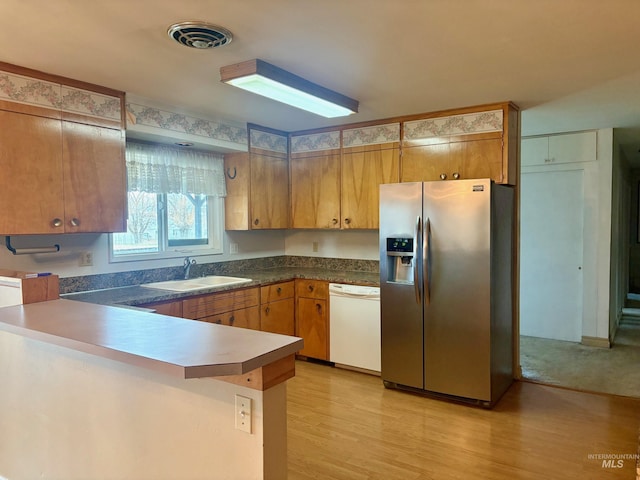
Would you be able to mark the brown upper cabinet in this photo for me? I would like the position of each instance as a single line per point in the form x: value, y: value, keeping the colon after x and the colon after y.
x: 315, y: 189
x: 62, y: 155
x: 258, y: 184
x: 336, y: 176
x: 480, y: 142
x: 364, y: 169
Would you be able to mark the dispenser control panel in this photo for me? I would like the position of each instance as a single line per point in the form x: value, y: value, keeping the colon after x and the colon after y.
x: 400, y: 245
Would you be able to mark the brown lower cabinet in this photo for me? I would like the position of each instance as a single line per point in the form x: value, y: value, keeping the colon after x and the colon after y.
x: 243, y: 318
x: 173, y: 309
x: 277, y: 310
x: 238, y: 308
x: 312, y: 317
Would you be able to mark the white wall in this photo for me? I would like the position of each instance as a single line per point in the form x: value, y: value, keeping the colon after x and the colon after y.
x: 361, y: 245
x: 66, y: 262
x: 597, y: 207
x: 67, y: 414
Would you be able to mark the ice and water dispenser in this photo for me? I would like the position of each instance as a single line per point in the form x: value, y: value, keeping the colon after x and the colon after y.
x: 400, y: 260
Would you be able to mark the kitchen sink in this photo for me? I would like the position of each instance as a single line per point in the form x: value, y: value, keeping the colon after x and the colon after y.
x: 196, y: 283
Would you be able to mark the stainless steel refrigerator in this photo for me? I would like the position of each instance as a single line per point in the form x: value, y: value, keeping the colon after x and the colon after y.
x: 446, y: 285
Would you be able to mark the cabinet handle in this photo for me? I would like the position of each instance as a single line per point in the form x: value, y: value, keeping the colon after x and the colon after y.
x: 267, y: 310
x: 279, y: 290
x: 74, y: 222
x: 334, y: 221
x: 218, y: 321
x: 456, y: 176
x: 319, y: 308
x: 443, y: 176
x: 347, y: 221
x: 310, y: 287
x: 256, y: 221
x: 56, y: 222
x: 232, y: 319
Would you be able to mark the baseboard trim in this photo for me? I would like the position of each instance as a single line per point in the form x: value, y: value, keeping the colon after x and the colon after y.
x: 596, y: 342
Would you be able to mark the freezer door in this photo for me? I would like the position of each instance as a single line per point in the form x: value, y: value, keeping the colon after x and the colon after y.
x: 400, y: 284
x: 457, y: 279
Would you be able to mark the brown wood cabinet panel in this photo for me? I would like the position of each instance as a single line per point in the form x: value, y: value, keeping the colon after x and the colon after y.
x: 424, y: 163
x: 315, y: 190
x: 269, y: 191
x: 236, y: 203
x: 478, y: 159
x: 277, y: 291
x: 94, y: 178
x: 312, y: 288
x: 312, y: 326
x: 173, y: 309
x: 242, y: 318
x: 364, y: 169
x: 278, y: 317
x: 217, y: 303
x: 31, y: 186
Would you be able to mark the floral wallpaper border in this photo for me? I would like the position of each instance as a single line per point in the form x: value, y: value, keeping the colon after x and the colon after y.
x: 373, y: 135
x: 469, y: 123
x: 315, y: 142
x: 41, y: 93
x: 178, y: 122
x: 268, y: 141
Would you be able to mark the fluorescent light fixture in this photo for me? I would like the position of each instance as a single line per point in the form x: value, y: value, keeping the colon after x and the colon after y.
x: 260, y: 77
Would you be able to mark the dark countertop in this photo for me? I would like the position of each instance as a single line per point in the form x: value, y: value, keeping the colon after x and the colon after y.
x: 137, y: 295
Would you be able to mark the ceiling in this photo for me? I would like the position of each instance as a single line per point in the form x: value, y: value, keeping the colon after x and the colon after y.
x: 570, y: 64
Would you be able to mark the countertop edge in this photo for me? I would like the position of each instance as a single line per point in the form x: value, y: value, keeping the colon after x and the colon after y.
x: 29, y: 321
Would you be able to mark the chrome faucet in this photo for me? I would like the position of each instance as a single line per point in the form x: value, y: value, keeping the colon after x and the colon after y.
x: 187, y: 266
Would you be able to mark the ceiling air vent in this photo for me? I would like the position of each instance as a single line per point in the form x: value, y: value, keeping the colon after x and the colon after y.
x: 199, y: 35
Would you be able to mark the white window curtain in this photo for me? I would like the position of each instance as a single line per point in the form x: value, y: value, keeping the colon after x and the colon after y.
x: 162, y: 169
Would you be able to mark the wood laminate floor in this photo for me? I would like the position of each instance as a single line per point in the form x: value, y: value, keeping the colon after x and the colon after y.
x: 346, y: 425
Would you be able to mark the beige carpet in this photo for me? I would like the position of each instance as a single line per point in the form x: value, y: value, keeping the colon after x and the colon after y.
x: 614, y: 370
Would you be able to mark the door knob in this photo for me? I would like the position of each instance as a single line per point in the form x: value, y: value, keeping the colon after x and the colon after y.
x: 74, y: 222
x: 256, y: 221
x: 56, y: 222
x: 456, y: 176
x: 443, y: 176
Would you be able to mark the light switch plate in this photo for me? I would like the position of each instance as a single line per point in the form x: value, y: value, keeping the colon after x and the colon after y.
x: 243, y: 413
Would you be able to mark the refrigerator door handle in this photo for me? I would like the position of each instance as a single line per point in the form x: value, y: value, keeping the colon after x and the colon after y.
x: 426, y: 264
x: 416, y: 270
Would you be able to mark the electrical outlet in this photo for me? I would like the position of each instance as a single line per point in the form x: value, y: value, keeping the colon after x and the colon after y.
x: 86, y: 259
x: 314, y: 246
x: 243, y: 413
x: 233, y: 248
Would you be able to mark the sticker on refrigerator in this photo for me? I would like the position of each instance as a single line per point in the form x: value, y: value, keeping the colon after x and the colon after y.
x: 478, y: 188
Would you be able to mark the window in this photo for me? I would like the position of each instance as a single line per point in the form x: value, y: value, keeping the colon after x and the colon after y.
x: 174, y: 203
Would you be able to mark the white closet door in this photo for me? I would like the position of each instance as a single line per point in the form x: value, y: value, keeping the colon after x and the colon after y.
x: 551, y: 254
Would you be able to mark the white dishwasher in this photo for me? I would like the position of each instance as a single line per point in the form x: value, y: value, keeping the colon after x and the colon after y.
x: 354, y: 332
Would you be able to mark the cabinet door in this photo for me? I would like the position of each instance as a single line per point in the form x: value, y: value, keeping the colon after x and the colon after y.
x: 477, y: 159
x: 278, y: 317
x: 312, y: 326
x: 236, y: 203
x: 245, y: 318
x: 312, y: 288
x: 269, y: 198
x: 315, y: 190
x: 425, y: 163
x: 363, y: 170
x: 94, y: 178
x: 31, y: 190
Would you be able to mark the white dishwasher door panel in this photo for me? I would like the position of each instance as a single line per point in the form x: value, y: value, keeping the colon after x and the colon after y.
x: 354, y: 331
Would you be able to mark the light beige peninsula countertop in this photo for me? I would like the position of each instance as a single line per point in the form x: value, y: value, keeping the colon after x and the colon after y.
x: 174, y: 346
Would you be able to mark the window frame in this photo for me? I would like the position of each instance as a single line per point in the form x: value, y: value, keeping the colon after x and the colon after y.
x: 215, y: 226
